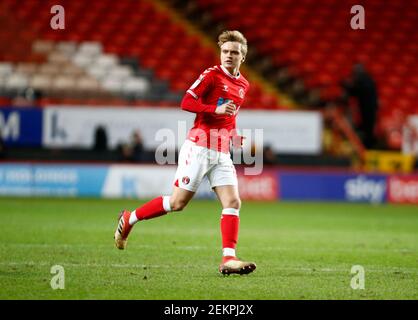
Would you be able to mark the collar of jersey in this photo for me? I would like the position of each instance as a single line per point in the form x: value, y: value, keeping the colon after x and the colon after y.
x: 228, y: 74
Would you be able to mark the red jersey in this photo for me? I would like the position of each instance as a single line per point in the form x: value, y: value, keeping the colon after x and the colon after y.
x: 215, y: 87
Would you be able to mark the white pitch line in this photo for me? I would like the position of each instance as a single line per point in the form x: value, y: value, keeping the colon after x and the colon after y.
x: 81, y: 265
x: 197, y: 247
x: 144, y: 266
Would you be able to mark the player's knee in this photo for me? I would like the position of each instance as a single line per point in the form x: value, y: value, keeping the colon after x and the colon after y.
x: 234, y: 203
x: 178, y: 205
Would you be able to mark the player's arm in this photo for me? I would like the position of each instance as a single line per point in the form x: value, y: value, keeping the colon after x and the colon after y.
x: 191, y: 104
x: 192, y: 101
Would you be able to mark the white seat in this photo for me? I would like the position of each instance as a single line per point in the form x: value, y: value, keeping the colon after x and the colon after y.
x: 98, y: 72
x: 68, y: 48
x: 50, y: 69
x: 82, y: 60
x: 135, y: 85
x: 6, y: 68
x: 64, y: 82
x: 2, y: 83
x: 90, y: 48
x: 87, y: 83
x: 71, y: 69
x: 26, y: 68
x: 106, y: 61
x: 57, y: 57
x: 17, y: 81
x: 120, y: 72
x: 40, y: 81
x: 112, y: 85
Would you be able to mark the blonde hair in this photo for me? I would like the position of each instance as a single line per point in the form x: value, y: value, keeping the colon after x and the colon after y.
x: 234, y: 36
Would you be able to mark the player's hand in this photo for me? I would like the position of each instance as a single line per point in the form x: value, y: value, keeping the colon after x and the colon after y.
x: 227, y: 108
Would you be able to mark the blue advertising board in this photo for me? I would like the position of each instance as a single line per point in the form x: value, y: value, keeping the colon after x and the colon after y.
x: 52, y: 180
x: 21, y: 126
x: 350, y: 187
x: 140, y: 181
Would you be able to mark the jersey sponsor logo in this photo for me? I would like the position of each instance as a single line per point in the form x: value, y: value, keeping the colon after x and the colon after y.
x: 221, y: 101
x: 185, y: 180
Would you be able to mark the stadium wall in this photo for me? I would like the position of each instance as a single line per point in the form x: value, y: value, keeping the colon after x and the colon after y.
x: 66, y: 127
x: 146, y: 181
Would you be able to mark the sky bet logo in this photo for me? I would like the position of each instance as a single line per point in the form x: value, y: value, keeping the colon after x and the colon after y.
x: 362, y: 188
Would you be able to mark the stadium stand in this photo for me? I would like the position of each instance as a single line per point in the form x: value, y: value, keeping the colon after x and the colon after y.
x: 311, y: 42
x: 303, y: 48
x: 86, y: 60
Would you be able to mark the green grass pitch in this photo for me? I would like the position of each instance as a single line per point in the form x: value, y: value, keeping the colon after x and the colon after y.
x: 302, y: 251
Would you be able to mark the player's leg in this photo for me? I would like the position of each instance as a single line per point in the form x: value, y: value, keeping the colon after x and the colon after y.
x: 180, y: 198
x: 224, y: 182
x: 231, y: 204
x: 152, y: 209
x: 156, y: 207
x: 187, y: 180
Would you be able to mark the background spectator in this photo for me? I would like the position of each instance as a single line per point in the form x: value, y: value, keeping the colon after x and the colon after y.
x: 100, y: 139
x: 363, y: 88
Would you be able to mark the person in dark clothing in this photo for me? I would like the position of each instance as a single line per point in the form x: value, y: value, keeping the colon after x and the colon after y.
x: 268, y: 155
x: 2, y: 148
x: 100, y: 139
x: 137, y: 147
x: 363, y: 88
x: 132, y: 151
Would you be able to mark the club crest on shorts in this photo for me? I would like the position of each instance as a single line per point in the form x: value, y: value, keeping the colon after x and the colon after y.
x: 185, y: 180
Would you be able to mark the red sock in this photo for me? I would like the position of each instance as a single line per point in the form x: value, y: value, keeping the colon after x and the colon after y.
x: 229, y: 230
x: 151, y: 209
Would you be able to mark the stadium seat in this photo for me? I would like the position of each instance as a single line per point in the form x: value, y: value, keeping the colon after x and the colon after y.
x: 111, y: 84
x: 90, y: 49
x: 49, y: 69
x: 43, y: 46
x: 135, y: 86
x: 17, y: 81
x: 6, y: 69
x: 98, y: 72
x: 41, y: 82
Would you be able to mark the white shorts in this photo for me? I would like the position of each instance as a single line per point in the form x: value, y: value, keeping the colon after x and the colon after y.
x: 196, y: 162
